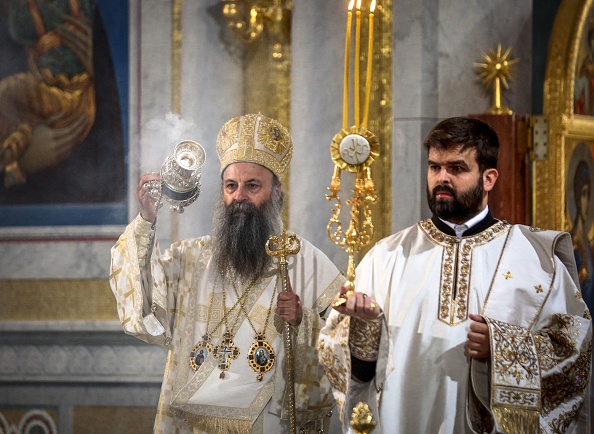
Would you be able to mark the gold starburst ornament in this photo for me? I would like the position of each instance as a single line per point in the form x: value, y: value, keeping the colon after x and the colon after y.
x: 495, y: 72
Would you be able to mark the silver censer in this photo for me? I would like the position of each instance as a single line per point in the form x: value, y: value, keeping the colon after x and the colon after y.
x: 180, y: 176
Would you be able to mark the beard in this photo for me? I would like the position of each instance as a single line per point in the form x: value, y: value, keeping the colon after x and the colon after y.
x: 461, y: 206
x: 241, y: 230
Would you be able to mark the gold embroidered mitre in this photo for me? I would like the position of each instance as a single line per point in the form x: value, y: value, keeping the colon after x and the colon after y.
x: 254, y: 138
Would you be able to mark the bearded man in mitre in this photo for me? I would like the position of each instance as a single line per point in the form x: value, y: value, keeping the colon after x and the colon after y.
x: 216, y: 302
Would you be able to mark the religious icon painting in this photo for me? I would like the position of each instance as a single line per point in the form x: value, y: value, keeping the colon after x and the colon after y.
x: 79, y: 105
x: 566, y: 171
x: 580, y: 211
x: 261, y: 356
x: 200, y: 353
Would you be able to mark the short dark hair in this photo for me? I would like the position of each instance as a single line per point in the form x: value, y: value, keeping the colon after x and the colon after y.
x: 470, y: 133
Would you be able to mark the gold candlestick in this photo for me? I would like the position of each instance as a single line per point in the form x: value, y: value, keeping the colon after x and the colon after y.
x: 357, y: 59
x: 347, y: 50
x: 369, y: 64
x: 354, y: 149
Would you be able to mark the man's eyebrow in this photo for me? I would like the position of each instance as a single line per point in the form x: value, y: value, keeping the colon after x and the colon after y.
x: 245, y: 182
x: 449, y: 163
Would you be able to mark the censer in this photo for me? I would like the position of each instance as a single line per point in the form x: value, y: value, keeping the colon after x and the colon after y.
x: 180, y: 176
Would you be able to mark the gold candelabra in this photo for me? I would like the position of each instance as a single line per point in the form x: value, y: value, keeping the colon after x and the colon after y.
x: 247, y: 18
x: 496, y: 70
x: 354, y: 149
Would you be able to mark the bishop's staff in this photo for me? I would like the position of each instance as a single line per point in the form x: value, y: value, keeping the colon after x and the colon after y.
x: 282, y: 246
x: 354, y: 149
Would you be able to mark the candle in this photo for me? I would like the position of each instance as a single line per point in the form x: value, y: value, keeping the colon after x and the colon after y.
x: 369, y: 63
x: 357, y: 56
x: 347, y: 49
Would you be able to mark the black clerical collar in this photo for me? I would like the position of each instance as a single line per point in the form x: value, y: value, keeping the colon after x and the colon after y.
x: 485, y: 223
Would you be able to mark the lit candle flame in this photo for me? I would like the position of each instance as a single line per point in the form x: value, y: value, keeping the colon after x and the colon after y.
x: 351, y: 4
x: 372, y: 7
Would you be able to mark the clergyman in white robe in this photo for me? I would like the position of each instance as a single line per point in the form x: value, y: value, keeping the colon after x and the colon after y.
x: 522, y: 280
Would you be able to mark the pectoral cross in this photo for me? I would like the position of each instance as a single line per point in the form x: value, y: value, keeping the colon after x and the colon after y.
x: 226, y: 351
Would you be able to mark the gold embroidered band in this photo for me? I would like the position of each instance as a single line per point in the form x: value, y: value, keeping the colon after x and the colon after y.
x: 364, y: 338
x: 515, y: 373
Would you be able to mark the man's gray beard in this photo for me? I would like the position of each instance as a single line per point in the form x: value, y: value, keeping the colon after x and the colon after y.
x: 241, y: 231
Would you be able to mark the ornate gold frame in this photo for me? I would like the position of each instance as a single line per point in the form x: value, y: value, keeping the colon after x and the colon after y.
x: 565, y: 128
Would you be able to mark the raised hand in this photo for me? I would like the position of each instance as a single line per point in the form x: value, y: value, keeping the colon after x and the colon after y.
x: 148, y: 207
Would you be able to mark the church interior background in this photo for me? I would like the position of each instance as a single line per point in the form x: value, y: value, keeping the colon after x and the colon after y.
x: 182, y: 69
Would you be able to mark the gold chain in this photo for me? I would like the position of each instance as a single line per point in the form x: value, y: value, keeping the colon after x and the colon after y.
x: 228, y: 312
x: 247, y: 313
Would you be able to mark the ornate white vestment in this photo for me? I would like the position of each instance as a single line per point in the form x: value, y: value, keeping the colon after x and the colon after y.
x: 522, y: 281
x: 182, y: 299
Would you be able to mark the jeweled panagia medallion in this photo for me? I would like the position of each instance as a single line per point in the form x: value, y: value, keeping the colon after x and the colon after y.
x: 261, y: 356
x: 200, y: 352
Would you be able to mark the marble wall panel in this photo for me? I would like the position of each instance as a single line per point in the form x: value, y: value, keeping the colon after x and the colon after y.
x: 466, y: 30
x: 55, y: 259
x: 211, y: 94
x: 62, y: 366
x: 316, y: 115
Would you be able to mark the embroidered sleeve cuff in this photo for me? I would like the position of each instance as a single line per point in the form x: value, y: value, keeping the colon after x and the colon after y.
x: 142, y: 226
x: 144, y: 233
x: 364, y: 338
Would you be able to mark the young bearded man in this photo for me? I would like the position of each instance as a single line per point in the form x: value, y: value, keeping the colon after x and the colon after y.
x: 463, y: 323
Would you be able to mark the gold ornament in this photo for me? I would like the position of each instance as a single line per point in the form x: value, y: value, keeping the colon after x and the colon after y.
x: 496, y: 71
x: 226, y: 351
x: 261, y: 354
x: 282, y: 246
x: 203, y: 349
x: 354, y: 149
x: 362, y: 419
x: 254, y: 138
